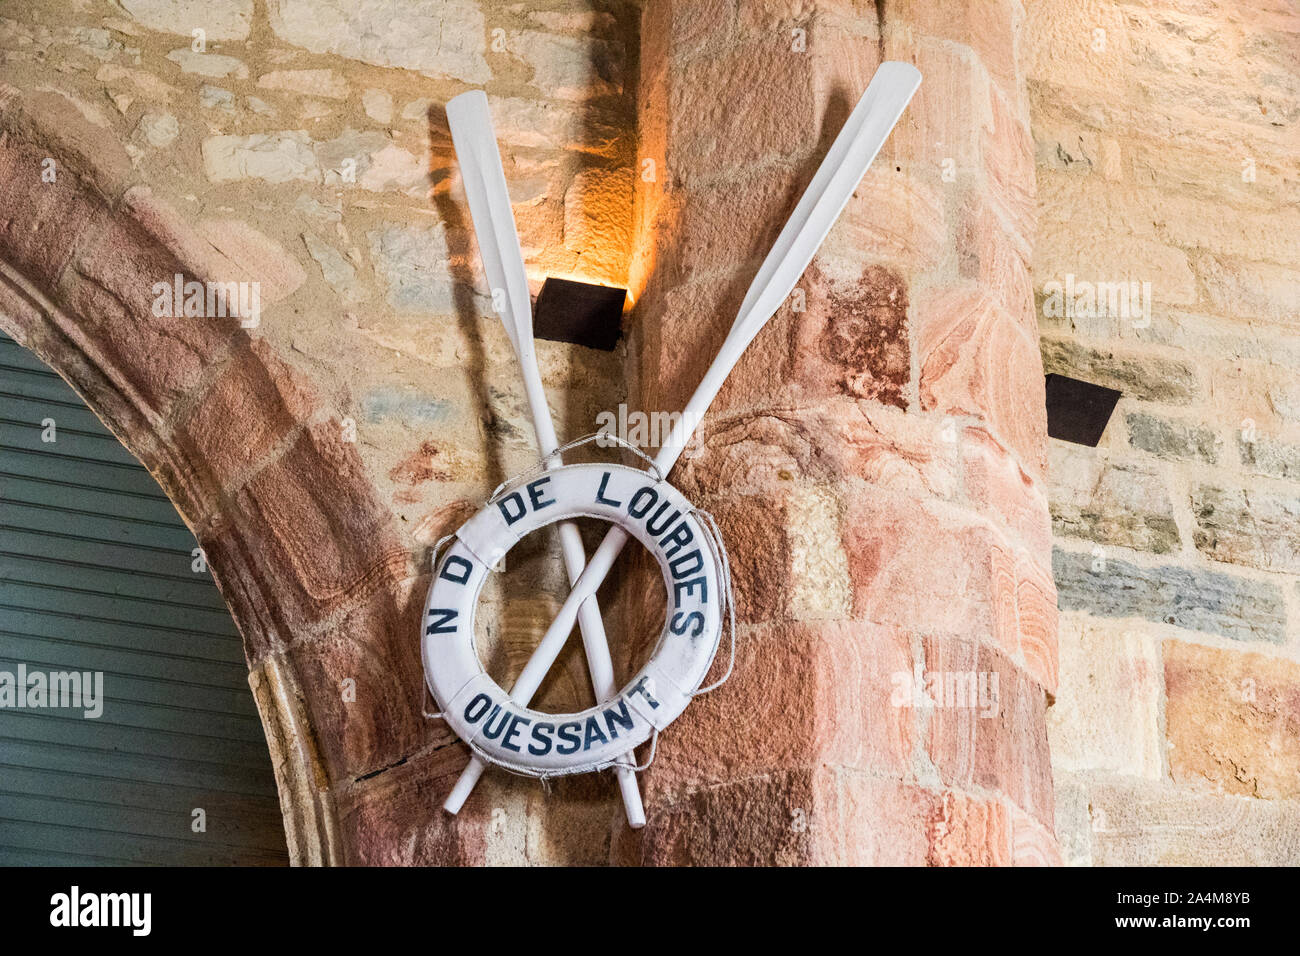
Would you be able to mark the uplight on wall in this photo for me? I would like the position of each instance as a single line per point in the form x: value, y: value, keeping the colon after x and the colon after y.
x: 579, y: 313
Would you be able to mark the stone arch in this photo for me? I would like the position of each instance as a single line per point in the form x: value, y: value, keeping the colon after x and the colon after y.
x: 256, y: 463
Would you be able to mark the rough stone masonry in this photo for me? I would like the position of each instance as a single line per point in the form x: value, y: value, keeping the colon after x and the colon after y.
x: 319, y: 454
x: 878, y: 462
x: 1166, y: 151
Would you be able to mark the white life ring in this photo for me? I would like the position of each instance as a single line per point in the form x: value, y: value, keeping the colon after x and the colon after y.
x: 540, y: 744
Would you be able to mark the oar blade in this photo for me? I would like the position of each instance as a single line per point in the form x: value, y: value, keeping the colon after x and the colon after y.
x: 475, y: 142
x: 846, y: 162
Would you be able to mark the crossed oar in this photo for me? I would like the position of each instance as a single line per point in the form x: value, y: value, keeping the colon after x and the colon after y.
x: 474, y: 139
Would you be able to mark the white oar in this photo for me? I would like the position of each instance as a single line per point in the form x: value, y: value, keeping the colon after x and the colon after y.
x: 494, y: 224
x: 845, y: 164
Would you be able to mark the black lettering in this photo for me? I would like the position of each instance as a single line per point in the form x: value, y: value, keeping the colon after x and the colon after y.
x: 542, y: 734
x: 681, y: 622
x: 594, y: 734
x: 439, y: 625
x: 689, y: 556
x: 473, y: 717
x: 640, y: 688
x: 621, y: 717
x: 600, y: 493
x: 488, y: 732
x: 456, y: 561
x: 663, y: 525
x: 515, y: 722
x: 569, y: 734
x: 680, y: 587
x: 535, y: 493
x: 680, y: 537
x: 649, y: 495
x: 509, y: 503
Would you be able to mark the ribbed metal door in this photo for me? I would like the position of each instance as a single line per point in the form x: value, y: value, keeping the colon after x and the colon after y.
x: 96, y: 575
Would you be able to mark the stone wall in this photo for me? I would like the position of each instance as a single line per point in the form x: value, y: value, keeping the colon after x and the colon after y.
x: 321, y: 453
x: 876, y: 459
x: 1166, y: 148
x: 886, y: 498
x: 877, y: 462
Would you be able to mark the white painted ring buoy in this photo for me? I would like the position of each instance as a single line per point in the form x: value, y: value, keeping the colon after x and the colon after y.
x: 540, y: 744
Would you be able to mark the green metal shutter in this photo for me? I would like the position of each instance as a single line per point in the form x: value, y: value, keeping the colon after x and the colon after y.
x: 96, y: 575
